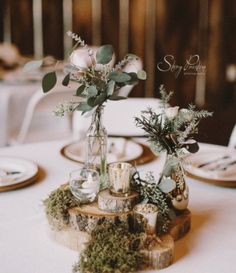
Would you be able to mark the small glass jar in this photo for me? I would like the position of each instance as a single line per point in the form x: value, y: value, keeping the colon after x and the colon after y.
x: 149, y: 212
x: 119, y: 178
x: 84, y: 184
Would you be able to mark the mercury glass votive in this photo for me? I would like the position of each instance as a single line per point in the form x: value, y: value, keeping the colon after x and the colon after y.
x: 119, y: 178
x: 149, y: 212
x: 84, y: 184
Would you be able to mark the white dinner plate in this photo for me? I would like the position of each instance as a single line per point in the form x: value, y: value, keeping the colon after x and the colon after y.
x: 119, y: 149
x: 216, y: 166
x: 15, y: 170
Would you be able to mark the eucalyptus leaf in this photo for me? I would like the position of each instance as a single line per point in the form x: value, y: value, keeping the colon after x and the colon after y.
x: 110, y: 87
x: 142, y: 75
x: 80, y: 90
x: 66, y: 80
x: 191, y: 145
x: 32, y: 65
x: 92, y: 91
x: 167, y: 185
x: 49, y: 81
x: 119, y: 76
x: 91, y: 101
x: 84, y: 107
x: 134, y: 78
x: 104, y: 54
x: 100, y: 99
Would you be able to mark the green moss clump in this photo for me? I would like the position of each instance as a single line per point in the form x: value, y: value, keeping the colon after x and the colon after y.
x: 58, y: 203
x: 112, y: 249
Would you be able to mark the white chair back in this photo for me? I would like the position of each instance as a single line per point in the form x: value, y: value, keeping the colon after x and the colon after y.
x: 134, y: 66
x: 42, y: 105
x: 118, y: 117
x: 232, y: 139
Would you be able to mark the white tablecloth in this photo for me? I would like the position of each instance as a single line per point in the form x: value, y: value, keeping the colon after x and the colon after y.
x: 26, y: 247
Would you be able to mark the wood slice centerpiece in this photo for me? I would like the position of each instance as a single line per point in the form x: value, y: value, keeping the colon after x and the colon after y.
x: 111, y: 203
x: 86, y: 217
x: 161, y: 255
x: 181, y: 225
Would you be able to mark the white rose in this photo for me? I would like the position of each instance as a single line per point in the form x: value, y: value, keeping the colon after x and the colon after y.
x: 171, y: 112
x: 80, y: 58
x: 186, y: 114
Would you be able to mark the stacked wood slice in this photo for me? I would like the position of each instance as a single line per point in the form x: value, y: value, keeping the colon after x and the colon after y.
x: 84, y: 218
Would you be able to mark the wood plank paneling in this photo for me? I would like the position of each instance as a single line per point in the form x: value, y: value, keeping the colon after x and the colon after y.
x: 229, y: 25
x: 1, y: 19
x: 82, y: 19
x: 215, y: 63
x: 53, y: 28
x: 22, y: 25
x: 176, y: 35
x: 137, y: 14
x: 110, y: 24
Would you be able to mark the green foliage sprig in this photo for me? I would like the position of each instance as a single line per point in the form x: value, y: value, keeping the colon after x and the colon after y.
x: 58, y: 202
x: 171, y: 129
x: 155, y: 192
x: 97, y: 80
x: 114, y: 248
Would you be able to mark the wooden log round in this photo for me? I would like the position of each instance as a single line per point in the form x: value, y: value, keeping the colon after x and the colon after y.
x: 181, y: 225
x: 86, y: 217
x: 161, y: 255
x: 69, y: 237
x: 110, y: 203
x: 158, y: 256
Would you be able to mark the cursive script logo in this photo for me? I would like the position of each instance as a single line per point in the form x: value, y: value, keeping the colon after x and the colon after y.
x: 192, y: 66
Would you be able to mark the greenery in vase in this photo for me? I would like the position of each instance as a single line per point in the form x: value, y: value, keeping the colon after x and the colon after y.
x: 171, y: 129
x: 151, y: 191
x: 97, y: 80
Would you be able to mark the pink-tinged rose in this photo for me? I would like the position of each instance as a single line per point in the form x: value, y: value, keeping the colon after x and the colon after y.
x: 80, y: 58
x: 171, y: 112
x: 84, y: 58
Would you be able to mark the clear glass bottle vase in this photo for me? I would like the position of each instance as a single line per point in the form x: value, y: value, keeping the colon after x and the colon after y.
x: 97, y: 146
x: 173, y: 170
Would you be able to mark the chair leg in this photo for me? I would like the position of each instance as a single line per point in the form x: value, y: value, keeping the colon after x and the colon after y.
x: 28, y: 116
x: 4, y: 98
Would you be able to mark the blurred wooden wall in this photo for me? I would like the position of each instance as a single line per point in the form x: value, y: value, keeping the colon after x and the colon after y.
x: 151, y: 29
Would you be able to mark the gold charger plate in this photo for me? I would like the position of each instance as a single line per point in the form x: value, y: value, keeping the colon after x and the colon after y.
x: 146, y: 156
x: 32, y: 172
x: 25, y: 183
x: 217, y: 182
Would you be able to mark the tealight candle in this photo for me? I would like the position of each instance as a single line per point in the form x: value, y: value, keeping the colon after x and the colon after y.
x: 149, y: 212
x: 84, y: 184
x: 119, y: 178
